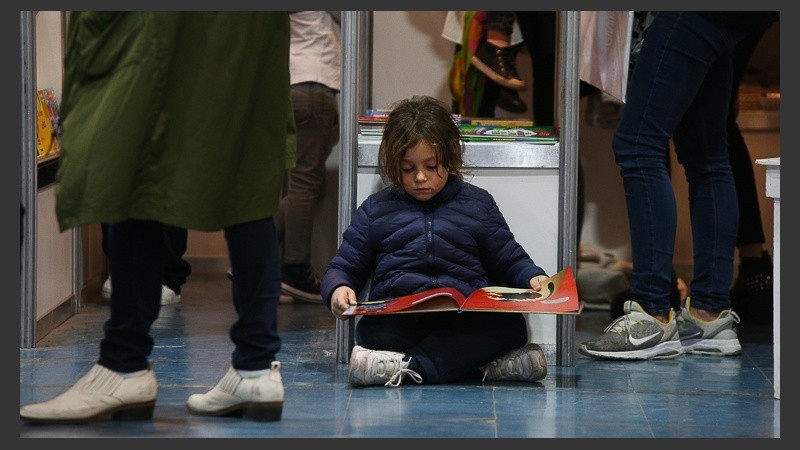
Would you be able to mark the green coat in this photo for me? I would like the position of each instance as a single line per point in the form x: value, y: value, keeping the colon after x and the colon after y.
x: 179, y: 117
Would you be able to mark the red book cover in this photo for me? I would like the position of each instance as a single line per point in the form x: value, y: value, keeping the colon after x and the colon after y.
x: 559, y: 295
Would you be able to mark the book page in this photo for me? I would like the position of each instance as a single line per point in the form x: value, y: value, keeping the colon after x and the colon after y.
x: 559, y: 295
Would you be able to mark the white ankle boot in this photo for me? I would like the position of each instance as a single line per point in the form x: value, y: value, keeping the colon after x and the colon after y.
x: 257, y: 398
x: 100, y: 395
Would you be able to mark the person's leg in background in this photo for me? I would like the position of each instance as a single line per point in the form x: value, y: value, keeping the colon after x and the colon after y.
x: 317, y: 120
x: 751, y: 295
x: 538, y: 30
x: 176, y: 269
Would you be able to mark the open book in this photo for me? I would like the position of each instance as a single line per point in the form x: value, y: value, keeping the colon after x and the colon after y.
x: 559, y: 295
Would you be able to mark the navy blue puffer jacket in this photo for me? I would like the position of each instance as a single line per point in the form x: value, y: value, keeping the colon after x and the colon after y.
x: 459, y: 239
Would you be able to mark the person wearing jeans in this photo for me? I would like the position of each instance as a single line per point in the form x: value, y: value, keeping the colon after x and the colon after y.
x: 680, y: 89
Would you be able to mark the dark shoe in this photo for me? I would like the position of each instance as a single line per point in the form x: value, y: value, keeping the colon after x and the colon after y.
x: 508, y: 99
x: 298, y: 282
x: 751, y: 294
x: 498, y: 65
x: 523, y: 364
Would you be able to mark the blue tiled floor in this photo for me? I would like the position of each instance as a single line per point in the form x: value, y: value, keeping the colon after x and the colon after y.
x: 691, y: 396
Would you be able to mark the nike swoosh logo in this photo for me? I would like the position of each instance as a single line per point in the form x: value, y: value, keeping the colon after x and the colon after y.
x: 640, y: 341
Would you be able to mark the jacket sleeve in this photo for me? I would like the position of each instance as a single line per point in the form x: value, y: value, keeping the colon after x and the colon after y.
x: 354, y: 260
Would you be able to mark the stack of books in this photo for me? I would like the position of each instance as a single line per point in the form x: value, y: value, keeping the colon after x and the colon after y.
x: 373, y: 122
x: 509, y: 133
x: 491, y: 129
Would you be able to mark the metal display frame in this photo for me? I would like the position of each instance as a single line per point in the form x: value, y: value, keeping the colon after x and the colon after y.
x: 356, y: 86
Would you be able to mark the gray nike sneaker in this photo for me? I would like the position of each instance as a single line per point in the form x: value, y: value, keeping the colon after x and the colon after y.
x: 635, y: 335
x: 717, y: 337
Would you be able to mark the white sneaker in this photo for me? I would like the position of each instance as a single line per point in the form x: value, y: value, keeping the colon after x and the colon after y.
x: 257, y: 398
x: 168, y: 296
x: 376, y: 367
x: 106, y: 290
x: 100, y: 395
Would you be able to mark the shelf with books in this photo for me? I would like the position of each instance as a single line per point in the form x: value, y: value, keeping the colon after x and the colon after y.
x: 484, y: 154
x: 509, y: 133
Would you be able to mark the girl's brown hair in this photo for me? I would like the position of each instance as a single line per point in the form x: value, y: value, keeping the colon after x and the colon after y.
x: 420, y: 118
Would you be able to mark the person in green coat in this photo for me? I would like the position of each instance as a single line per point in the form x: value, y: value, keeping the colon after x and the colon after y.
x: 180, y: 119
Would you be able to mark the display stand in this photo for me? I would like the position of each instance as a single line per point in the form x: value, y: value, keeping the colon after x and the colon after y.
x: 511, y: 181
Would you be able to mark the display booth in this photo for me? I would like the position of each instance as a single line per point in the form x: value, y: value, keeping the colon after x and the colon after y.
x: 514, y: 172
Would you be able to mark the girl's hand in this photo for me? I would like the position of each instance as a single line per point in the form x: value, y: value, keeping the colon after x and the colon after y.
x: 341, y: 299
x: 536, y: 282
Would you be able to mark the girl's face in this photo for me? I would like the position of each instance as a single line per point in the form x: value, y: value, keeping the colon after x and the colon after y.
x: 423, y: 177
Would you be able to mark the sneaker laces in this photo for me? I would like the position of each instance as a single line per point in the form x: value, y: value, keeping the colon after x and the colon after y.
x: 620, y: 325
x: 397, y: 378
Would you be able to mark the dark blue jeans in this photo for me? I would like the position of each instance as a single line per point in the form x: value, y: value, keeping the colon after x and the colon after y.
x: 681, y: 89
x: 136, y: 264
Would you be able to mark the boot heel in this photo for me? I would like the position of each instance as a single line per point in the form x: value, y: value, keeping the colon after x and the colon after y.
x: 263, y: 412
x: 140, y: 412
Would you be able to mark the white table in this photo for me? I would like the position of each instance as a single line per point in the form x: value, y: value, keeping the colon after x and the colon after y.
x: 773, y: 166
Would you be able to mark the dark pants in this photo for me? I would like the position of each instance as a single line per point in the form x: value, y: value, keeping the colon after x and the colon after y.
x: 680, y: 88
x: 751, y: 230
x: 136, y: 262
x: 316, y: 116
x: 176, y: 269
x: 446, y: 346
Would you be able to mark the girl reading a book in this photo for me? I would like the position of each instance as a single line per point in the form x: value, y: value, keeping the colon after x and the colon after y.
x: 430, y: 228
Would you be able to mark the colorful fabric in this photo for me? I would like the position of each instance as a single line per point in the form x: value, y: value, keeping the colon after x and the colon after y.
x: 466, y: 83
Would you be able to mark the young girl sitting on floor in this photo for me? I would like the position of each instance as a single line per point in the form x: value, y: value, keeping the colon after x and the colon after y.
x: 428, y: 229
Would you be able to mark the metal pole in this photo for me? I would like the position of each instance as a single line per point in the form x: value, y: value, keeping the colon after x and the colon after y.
x: 28, y: 189
x: 356, y: 61
x: 568, y: 112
